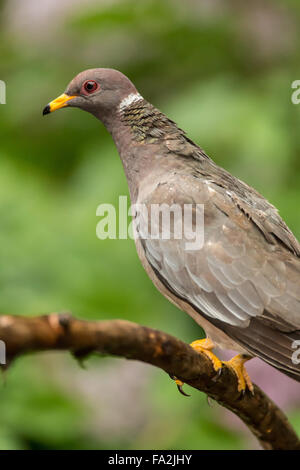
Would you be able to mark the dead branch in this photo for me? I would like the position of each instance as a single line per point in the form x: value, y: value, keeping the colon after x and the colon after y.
x: 122, y: 338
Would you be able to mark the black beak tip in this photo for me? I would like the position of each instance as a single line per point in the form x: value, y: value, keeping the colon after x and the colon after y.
x: 46, y: 110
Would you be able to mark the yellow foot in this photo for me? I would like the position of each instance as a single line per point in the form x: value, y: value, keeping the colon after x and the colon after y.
x: 237, y: 364
x: 203, y: 346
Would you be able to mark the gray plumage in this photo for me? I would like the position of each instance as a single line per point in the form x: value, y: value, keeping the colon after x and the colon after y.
x: 243, y: 286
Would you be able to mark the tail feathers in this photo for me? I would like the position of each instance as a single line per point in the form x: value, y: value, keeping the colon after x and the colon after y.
x: 289, y: 364
x: 280, y: 349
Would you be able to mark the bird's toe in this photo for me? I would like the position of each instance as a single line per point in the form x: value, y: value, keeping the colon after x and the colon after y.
x: 237, y: 364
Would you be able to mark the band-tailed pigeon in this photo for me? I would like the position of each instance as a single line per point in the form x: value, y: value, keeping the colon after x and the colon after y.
x: 243, y: 285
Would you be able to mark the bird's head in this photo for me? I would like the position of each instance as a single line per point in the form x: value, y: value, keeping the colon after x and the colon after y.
x: 98, y: 91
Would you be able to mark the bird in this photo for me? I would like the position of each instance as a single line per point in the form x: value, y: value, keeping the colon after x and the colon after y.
x: 242, y: 285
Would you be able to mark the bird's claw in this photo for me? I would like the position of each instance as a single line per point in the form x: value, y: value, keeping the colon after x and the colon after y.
x: 179, y: 384
x: 217, y: 374
x: 244, y: 381
x: 180, y: 389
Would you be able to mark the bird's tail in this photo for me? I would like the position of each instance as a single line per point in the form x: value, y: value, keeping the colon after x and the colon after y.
x: 280, y: 349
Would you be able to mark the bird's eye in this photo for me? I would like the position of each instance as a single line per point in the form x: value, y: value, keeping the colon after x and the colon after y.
x: 90, y: 86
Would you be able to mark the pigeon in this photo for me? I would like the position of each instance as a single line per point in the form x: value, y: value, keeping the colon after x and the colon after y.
x: 241, y: 282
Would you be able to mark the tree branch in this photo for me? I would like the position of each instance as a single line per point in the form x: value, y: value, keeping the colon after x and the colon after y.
x: 122, y: 338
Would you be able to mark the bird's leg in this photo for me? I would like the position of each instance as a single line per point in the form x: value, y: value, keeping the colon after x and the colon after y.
x: 203, y: 346
x: 237, y: 364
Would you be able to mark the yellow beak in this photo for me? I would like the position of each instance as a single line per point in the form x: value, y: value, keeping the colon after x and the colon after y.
x: 58, y: 103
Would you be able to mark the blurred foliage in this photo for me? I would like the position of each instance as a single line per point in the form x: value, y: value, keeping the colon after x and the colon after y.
x: 223, y: 72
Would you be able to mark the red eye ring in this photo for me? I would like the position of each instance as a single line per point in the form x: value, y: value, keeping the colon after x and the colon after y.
x: 90, y: 86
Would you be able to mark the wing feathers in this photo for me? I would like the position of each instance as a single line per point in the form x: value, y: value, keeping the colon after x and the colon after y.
x: 247, y: 286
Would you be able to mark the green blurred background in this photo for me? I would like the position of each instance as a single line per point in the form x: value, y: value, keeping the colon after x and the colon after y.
x: 222, y: 69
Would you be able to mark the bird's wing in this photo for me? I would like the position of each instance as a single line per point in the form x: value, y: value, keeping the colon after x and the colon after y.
x: 239, y: 280
x: 263, y: 214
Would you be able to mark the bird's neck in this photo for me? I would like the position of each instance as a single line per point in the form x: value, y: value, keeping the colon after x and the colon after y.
x: 139, y: 131
x: 145, y: 122
x: 148, y: 142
